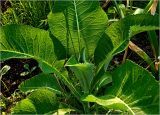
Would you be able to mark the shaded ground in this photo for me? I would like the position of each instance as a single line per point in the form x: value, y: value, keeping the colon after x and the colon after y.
x: 17, y: 73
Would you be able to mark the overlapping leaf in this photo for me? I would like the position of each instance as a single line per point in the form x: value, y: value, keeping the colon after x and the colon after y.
x: 119, y: 33
x: 19, y: 41
x: 78, y: 24
x: 83, y: 71
x: 40, y: 81
x: 133, y: 89
x: 39, y: 102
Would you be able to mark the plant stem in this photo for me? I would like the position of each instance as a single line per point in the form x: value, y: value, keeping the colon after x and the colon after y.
x: 125, y: 55
x: 118, y: 9
x: 86, y: 107
x: 77, y: 21
x: 148, y: 6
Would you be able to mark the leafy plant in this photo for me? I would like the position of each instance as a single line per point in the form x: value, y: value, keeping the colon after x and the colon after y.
x: 125, y: 95
x: 26, y: 66
x: 144, y: 7
x: 119, y: 33
x: 76, y: 23
x: 27, y: 12
x: 78, y: 31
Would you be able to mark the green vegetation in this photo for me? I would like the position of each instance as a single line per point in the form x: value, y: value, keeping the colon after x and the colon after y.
x: 75, y: 54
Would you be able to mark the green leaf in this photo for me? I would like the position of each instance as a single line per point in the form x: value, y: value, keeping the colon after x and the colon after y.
x: 109, y: 101
x: 105, y: 79
x: 83, y: 71
x: 40, y: 81
x: 133, y: 89
x: 153, y: 38
x: 78, y: 24
x: 24, y: 107
x: 38, y: 102
x: 63, y: 111
x: 118, y: 35
x: 19, y: 41
x: 59, y: 49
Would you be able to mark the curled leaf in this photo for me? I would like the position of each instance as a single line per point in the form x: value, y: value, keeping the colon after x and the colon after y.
x: 4, y: 70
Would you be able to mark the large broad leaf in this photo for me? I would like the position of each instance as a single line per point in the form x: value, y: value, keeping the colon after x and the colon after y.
x: 78, y: 24
x: 83, y: 71
x: 40, y: 81
x: 134, y: 90
x: 38, y: 102
x: 19, y: 41
x: 119, y: 33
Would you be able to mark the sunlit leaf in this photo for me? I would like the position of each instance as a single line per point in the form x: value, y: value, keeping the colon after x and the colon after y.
x: 119, y: 33
x: 39, y: 102
x: 83, y: 71
x: 78, y: 24
x: 133, y: 89
x: 19, y: 41
x: 40, y: 81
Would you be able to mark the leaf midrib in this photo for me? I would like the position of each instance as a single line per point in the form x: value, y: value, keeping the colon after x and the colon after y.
x: 77, y: 21
x: 127, y: 105
x: 54, y: 70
